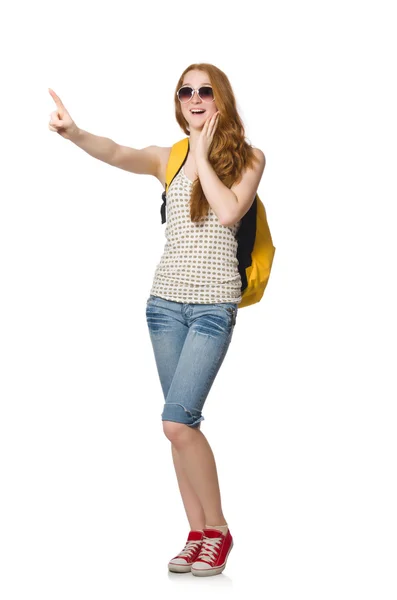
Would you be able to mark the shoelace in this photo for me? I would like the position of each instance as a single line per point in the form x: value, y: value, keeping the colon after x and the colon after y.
x: 190, y: 548
x: 209, y: 549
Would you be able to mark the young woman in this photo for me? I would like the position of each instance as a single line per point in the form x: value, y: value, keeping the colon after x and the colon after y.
x: 192, y: 308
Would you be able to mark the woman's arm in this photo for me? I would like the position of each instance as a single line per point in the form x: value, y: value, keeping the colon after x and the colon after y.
x: 145, y: 161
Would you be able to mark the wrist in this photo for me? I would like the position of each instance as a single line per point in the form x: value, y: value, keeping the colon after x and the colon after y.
x: 74, y: 134
x: 203, y: 160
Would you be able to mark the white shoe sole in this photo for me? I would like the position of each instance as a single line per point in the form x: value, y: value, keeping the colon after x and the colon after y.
x: 175, y: 568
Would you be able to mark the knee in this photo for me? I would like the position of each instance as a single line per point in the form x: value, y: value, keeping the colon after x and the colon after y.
x: 177, y: 433
x: 177, y: 413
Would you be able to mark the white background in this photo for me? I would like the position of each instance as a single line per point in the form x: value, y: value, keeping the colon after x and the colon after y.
x: 302, y: 416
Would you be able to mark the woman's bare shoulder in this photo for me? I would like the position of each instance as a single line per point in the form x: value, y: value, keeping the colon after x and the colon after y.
x: 259, y: 154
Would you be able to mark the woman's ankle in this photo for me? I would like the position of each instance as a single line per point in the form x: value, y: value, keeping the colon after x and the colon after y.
x: 223, y: 528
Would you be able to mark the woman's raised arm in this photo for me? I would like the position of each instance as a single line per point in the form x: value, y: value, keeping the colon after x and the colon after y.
x: 145, y: 161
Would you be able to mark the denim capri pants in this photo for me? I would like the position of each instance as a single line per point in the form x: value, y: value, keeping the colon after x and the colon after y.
x: 189, y: 342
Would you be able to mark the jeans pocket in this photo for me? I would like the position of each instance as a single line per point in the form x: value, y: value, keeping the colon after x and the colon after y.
x: 231, y: 309
x: 233, y: 312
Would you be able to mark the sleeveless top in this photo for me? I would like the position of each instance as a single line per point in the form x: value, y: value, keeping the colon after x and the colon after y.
x: 199, y: 264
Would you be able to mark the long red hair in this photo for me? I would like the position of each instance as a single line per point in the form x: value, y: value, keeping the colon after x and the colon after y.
x: 229, y: 153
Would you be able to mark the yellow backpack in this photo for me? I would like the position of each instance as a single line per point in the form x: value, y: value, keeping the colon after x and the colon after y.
x: 255, y: 250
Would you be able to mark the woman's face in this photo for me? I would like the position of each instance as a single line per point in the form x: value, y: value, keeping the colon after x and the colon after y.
x: 196, y: 121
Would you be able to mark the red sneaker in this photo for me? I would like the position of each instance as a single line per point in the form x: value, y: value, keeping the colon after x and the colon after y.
x: 213, y: 555
x: 182, y: 562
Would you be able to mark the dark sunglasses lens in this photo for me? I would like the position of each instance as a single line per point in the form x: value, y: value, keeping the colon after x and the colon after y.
x: 206, y: 93
x: 185, y: 94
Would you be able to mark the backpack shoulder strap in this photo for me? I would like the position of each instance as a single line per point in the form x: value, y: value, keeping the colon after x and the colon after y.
x: 176, y: 160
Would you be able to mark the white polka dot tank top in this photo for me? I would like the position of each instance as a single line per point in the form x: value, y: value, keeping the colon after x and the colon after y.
x: 199, y: 263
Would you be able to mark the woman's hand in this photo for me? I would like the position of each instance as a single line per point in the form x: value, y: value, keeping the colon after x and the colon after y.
x: 206, y: 137
x: 61, y: 122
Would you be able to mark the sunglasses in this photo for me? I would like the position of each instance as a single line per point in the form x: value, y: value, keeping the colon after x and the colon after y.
x: 186, y: 93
